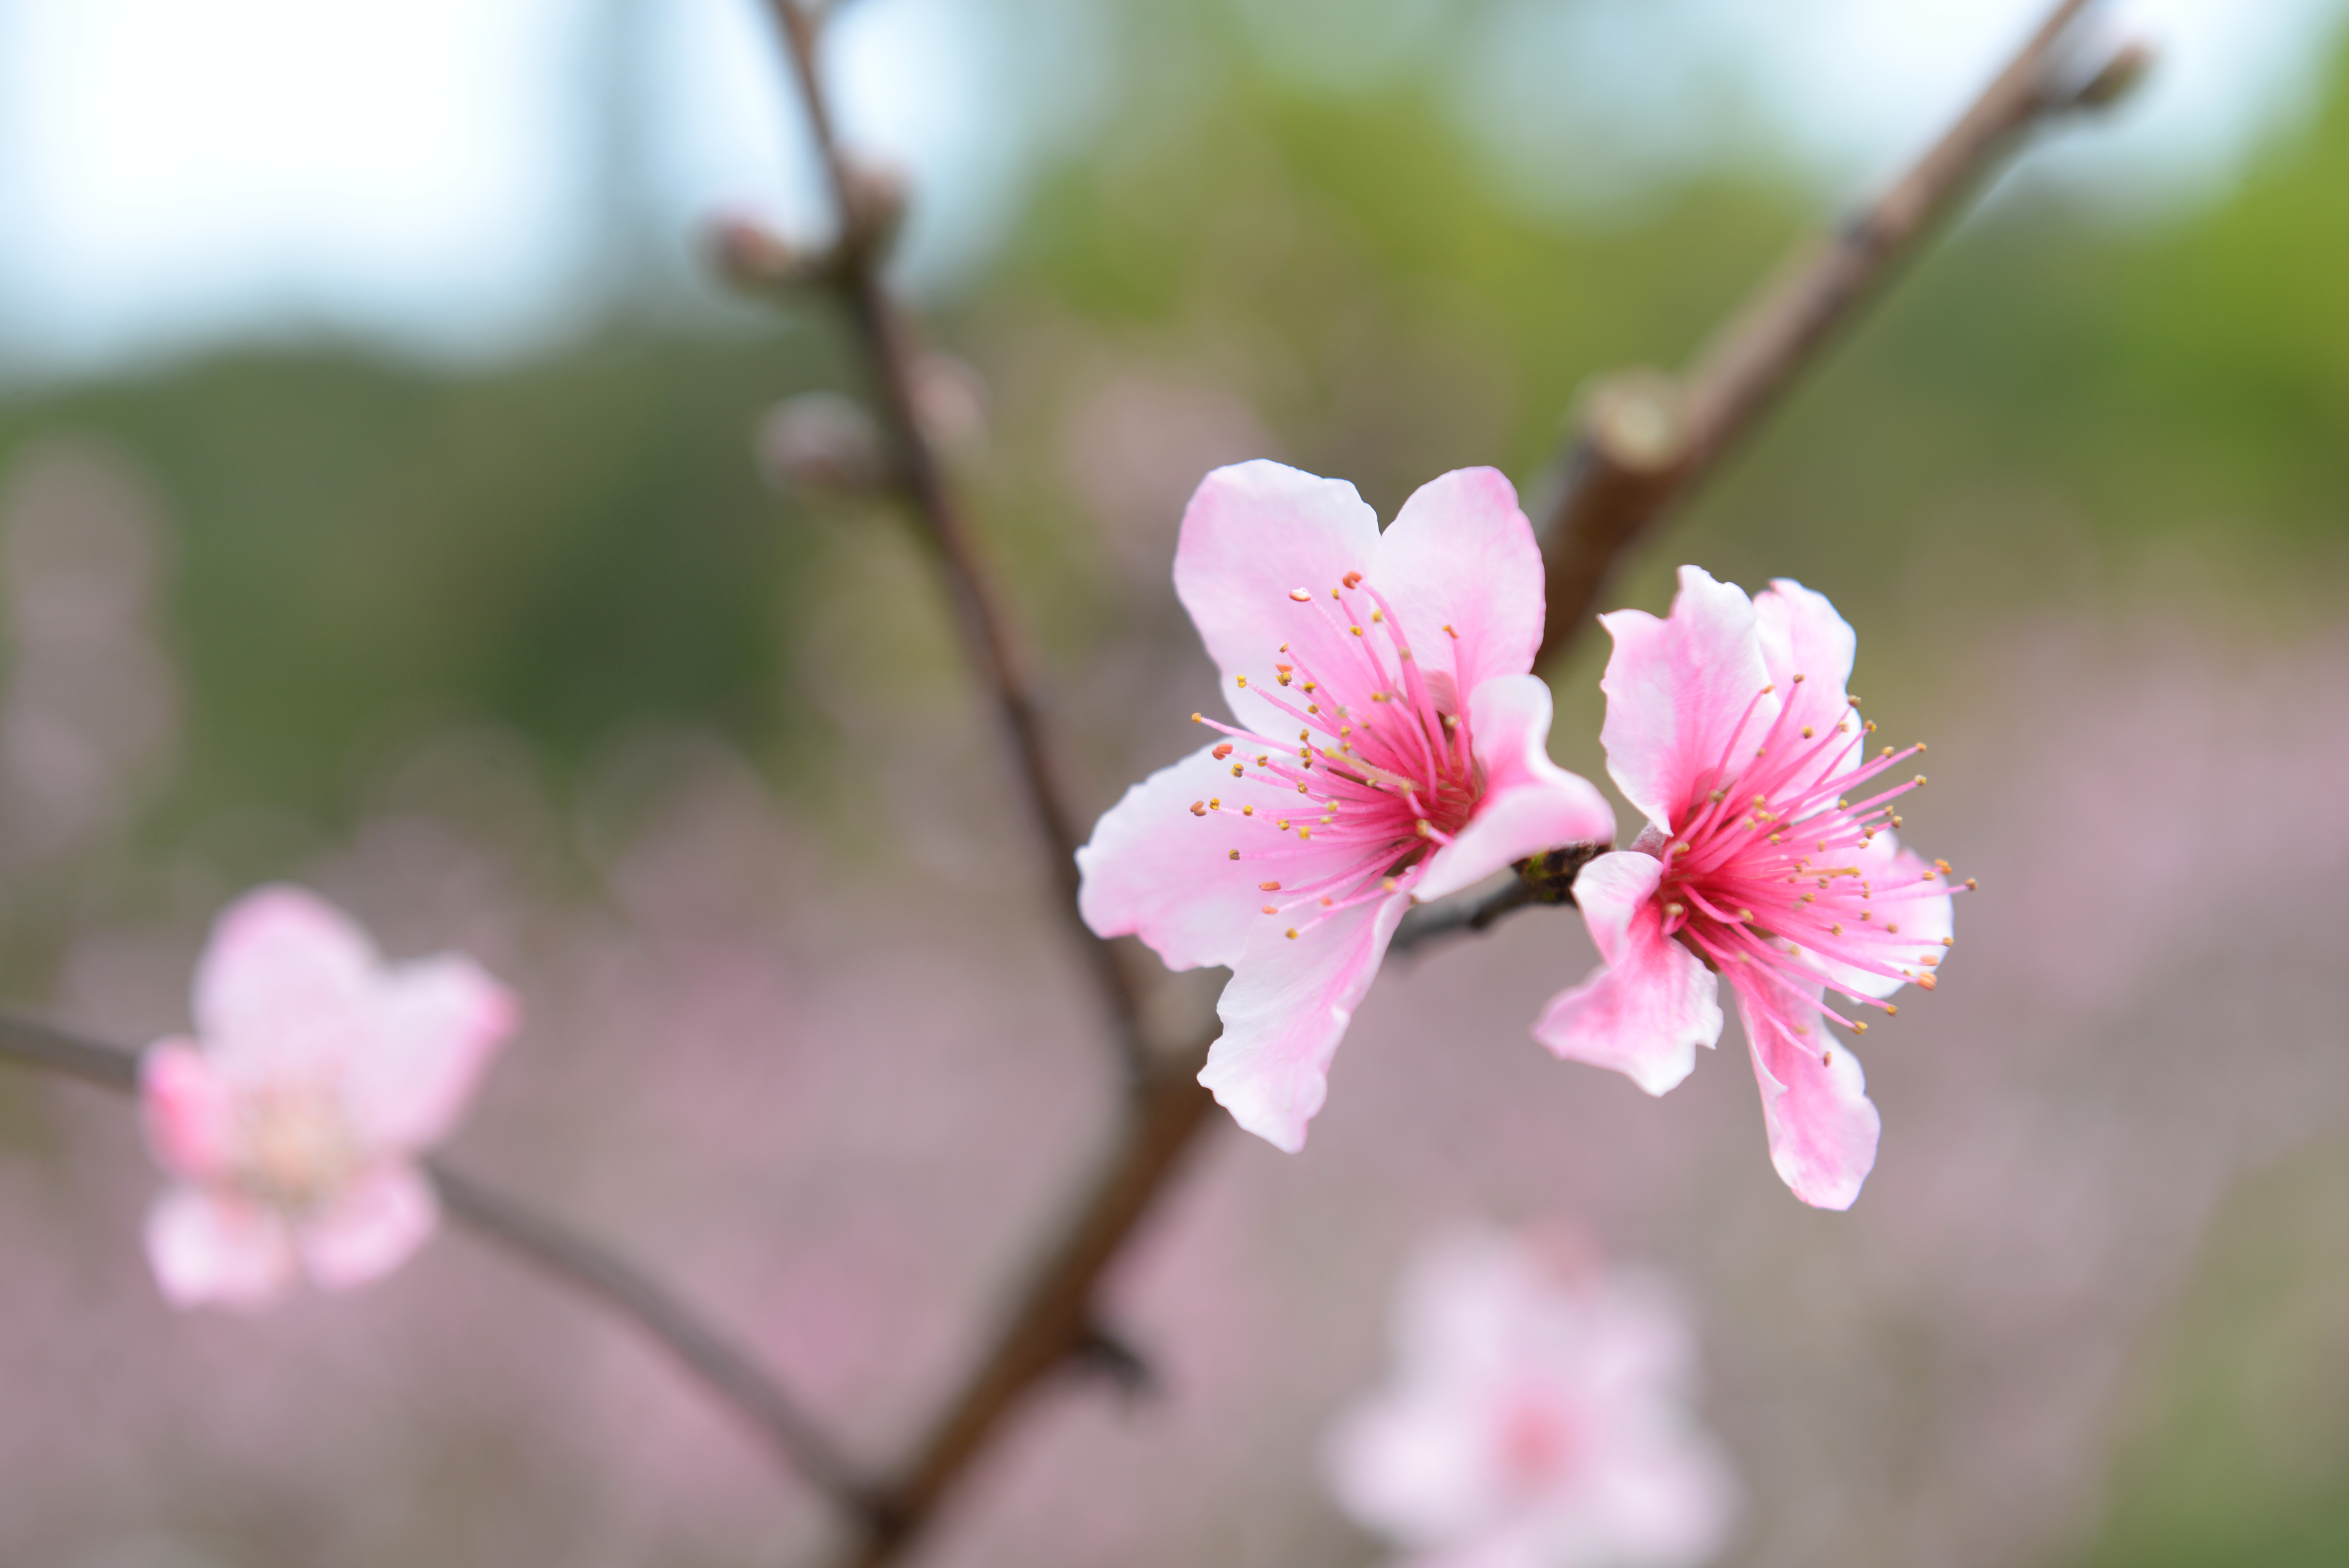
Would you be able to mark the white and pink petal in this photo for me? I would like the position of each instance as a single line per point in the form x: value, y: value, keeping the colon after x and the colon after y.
x: 1679, y: 691
x: 285, y: 984
x: 1284, y: 1010
x: 209, y: 1247
x: 437, y: 1022
x: 1650, y: 1003
x: 1461, y: 554
x: 1822, y: 1128
x: 1530, y: 804
x: 1155, y: 870
x: 188, y: 1114
x: 370, y: 1228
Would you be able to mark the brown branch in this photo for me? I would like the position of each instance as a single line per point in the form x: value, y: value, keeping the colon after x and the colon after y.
x: 722, y: 1367
x: 867, y: 210
x: 1646, y: 440
x: 1544, y: 879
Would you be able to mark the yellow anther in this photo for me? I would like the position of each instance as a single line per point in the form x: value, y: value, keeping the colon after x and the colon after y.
x: 1243, y: 680
x: 1214, y: 803
x: 1860, y: 1025
x: 1837, y: 928
x: 1300, y: 786
x: 1377, y: 696
x: 1238, y: 771
x: 1356, y: 630
x: 1236, y: 854
x: 1891, y: 1011
x: 1718, y: 796
x: 1247, y: 811
x: 1292, y: 933
x: 1807, y: 732
x: 1377, y: 617
x: 1920, y: 781
x: 1455, y: 637
x: 1313, y: 707
x: 1800, y: 679
x: 1386, y: 884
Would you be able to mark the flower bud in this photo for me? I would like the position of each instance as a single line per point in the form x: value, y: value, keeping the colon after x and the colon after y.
x: 819, y: 443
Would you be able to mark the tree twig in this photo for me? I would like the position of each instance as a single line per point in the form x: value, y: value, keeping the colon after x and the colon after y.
x: 722, y: 1367
x: 1644, y: 443
x: 866, y: 215
x: 1646, y: 440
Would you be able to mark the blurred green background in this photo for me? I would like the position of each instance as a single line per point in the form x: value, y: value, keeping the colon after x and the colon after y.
x: 2052, y: 404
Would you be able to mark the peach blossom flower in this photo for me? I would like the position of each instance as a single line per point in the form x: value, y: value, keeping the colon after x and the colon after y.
x: 1728, y: 725
x: 1538, y: 1416
x: 294, y: 1121
x: 1389, y: 743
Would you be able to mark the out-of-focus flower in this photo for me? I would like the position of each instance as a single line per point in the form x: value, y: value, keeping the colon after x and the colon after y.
x: 1539, y: 1417
x: 294, y: 1120
x: 1728, y: 725
x: 1390, y: 743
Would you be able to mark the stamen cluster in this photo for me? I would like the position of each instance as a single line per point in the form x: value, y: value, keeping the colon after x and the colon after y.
x: 1381, y: 764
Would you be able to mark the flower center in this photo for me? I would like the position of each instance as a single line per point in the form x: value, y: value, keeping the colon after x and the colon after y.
x: 1381, y: 772
x: 1764, y: 868
x: 295, y: 1147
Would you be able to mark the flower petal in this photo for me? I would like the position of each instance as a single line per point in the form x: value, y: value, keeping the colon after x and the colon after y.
x: 371, y: 1228
x: 1155, y: 870
x: 1801, y: 634
x: 1823, y: 1127
x: 437, y: 1020
x: 1461, y: 554
x: 187, y: 1113
x: 1677, y: 691
x: 1530, y: 803
x: 1285, y: 1011
x: 1252, y: 533
x: 1645, y: 1010
x: 286, y: 983
x: 207, y: 1246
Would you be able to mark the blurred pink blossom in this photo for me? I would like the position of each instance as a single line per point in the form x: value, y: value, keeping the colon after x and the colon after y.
x: 1539, y: 1417
x: 1419, y: 763
x: 1755, y: 864
x: 294, y: 1121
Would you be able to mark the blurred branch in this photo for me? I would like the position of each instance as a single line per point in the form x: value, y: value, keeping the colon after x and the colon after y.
x: 869, y: 206
x: 1645, y: 440
x: 723, y: 1368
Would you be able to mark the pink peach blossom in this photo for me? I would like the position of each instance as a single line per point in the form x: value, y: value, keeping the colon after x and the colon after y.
x: 294, y: 1120
x: 1728, y: 725
x: 1538, y: 1416
x: 1389, y: 744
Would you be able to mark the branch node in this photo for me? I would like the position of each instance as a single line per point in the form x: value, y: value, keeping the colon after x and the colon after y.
x: 1104, y: 1354
x: 755, y: 260
x: 1549, y: 876
x: 2123, y: 72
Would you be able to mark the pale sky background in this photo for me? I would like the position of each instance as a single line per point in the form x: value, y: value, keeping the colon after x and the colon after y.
x: 431, y: 174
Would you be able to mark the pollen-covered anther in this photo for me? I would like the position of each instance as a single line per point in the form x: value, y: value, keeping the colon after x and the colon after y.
x: 1860, y: 1025
x: 1352, y: 579
x: 1198, y: 807
x: 1238, y: 771
x: 1272, y: 909
x: 1220, y: 752
x: 1242, y: 679
x: 1972, y: 885
x: 1378, y: 616
x: 1891, y: 1010
x: 1214, y: 803
x: 1455, y: 635
x: 1302, y: 595
x: 1300, y: 786
x: 1387, y: 884
x: 1927, y: 981
x: 1247, y: 811
x: 1327, y: 901
x: 1292, y: 933
x: 1674, y: 911
x: 1356, y: 630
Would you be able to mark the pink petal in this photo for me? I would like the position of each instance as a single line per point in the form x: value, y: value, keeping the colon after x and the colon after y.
x: 1677, y: 690
x: 436, y: 1023
x: 1252, y: 533
x: 1652, y: 1002
x: 187, y: 1113
x: 370, y: 1229
x: 1461, y: 554
x: 1530, y: 803
x: 207, y: 1246
x: 1157, y: 872
x: 1823, y: 1127
x: 285, y: 985
x: 1802, y: 635
x: 1285, y: 1011
x: 1895, y: 872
